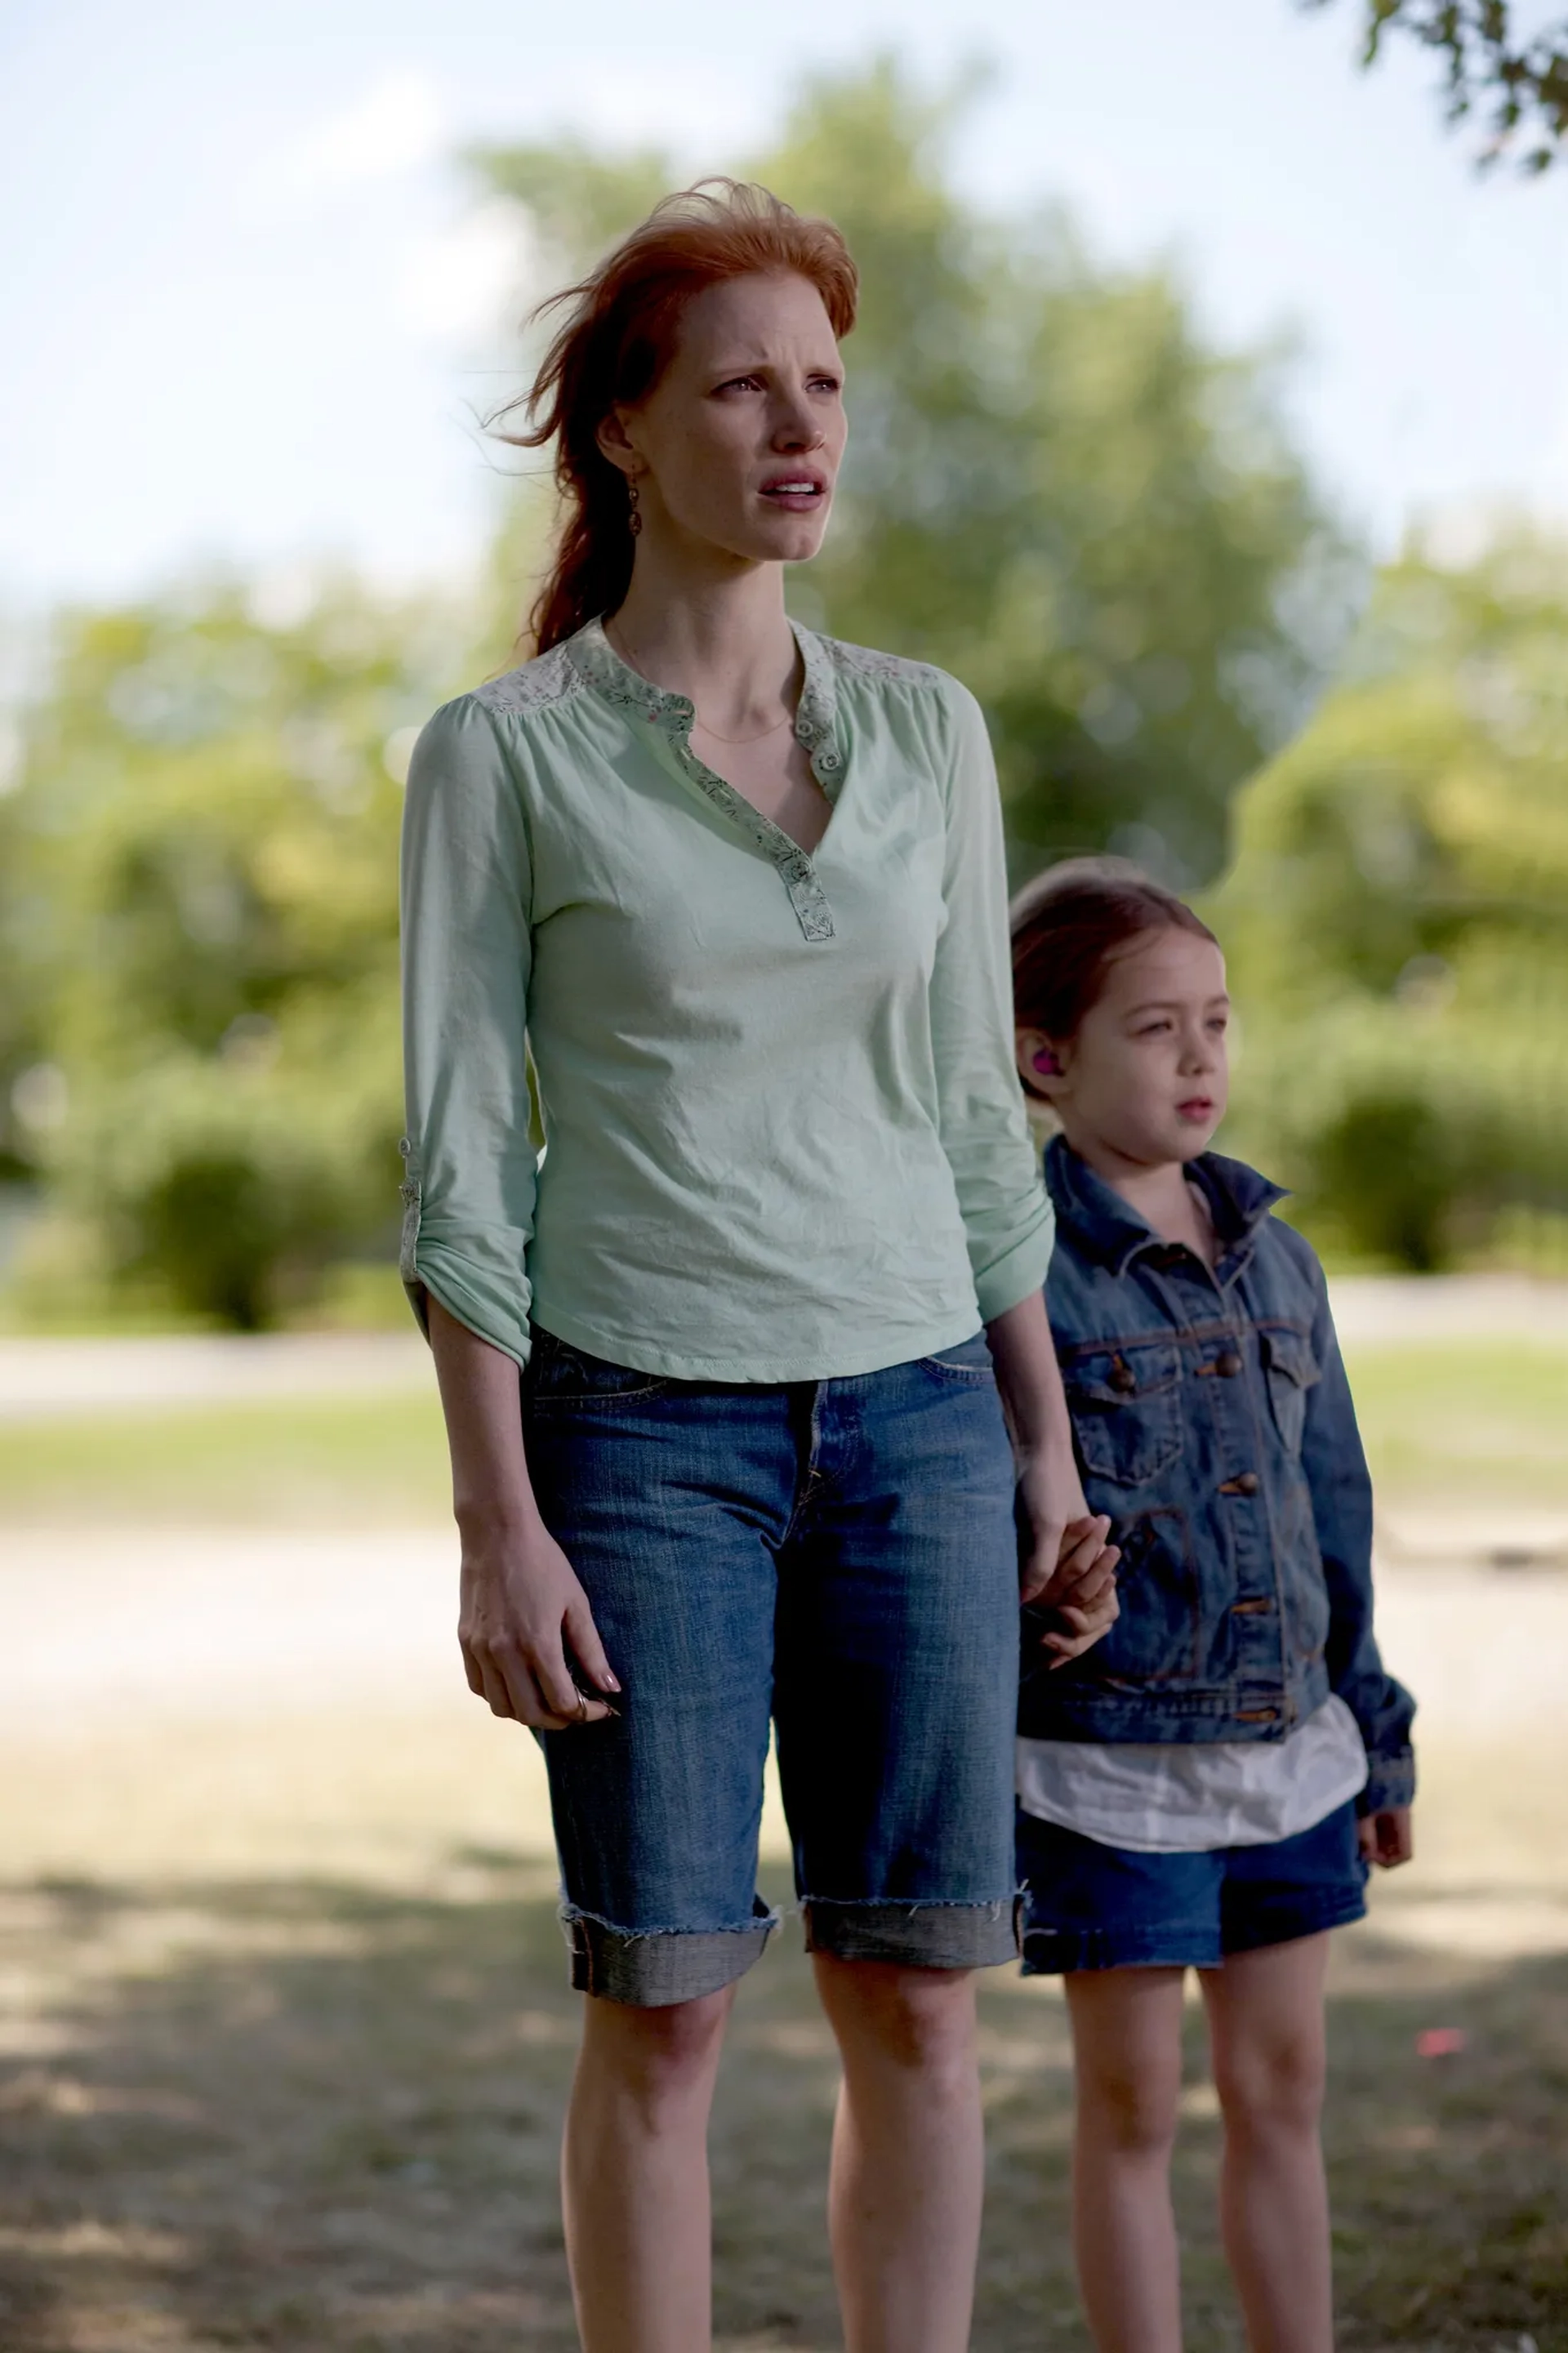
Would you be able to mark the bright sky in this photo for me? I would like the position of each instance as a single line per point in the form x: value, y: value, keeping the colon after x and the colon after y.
x: 249, y: 306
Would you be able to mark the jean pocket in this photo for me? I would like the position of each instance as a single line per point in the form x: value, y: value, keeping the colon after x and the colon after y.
x: 559, y: 1374
x: 1126, y: 1408
x: 969, y: 1361
x: 1292, y: 1372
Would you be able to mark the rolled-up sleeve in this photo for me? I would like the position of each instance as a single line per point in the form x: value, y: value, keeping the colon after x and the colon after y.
x: 471, y: 1167
x: 1006, y: 1211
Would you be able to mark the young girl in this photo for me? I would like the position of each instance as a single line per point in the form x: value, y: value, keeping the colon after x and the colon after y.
x: 1206, y: 1787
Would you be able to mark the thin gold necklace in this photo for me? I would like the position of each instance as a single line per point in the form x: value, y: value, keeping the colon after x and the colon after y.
x: 625, y: 655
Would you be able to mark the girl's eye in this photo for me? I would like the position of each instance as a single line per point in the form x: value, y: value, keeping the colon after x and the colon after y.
x: 1152, y: 1029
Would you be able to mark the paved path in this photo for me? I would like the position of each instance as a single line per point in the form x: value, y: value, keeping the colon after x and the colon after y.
x: 41, y: 1378
x: 174, y: 1622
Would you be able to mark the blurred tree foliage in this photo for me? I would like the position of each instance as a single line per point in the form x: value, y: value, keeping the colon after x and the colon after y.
x: 1397, y: 921
x: 198, y: 933
x: 1054, y: 487
x: 1522, y: 79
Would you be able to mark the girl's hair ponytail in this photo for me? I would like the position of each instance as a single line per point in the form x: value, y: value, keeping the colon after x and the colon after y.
x: 615, y: 343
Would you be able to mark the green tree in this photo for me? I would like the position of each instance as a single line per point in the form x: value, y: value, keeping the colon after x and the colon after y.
x: 202, y: 890
x: 1055, y: 488
x: 1397, y: 921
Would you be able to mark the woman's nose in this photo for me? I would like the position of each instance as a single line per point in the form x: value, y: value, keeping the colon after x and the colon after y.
x: 798, y: 429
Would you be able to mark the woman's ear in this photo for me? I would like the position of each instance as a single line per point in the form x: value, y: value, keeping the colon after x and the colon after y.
x: 614, y: 444
x: 1040, y: 1064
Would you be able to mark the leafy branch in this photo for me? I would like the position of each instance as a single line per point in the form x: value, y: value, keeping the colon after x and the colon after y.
x: 1519, y: 85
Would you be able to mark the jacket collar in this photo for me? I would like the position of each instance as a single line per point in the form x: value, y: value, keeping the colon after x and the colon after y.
x: 1106, y: 1226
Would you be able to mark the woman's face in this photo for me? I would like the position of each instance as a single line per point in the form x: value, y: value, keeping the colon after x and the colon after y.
x: 737, y: 446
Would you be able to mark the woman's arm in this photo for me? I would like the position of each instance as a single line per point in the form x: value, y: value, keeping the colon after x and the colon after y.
x: 467, y: 888
x: 522, y: 1618
x: 1066, y: 1565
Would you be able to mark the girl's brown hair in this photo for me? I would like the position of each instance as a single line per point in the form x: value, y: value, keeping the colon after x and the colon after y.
x: 1067, y: 927
x: 616, y: 341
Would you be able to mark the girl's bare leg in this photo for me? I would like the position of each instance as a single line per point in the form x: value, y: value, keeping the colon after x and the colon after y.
x: 908, y: 2158
x: 633, y: 2175
x: 1127, y: 2052
x: 1266, y: 2021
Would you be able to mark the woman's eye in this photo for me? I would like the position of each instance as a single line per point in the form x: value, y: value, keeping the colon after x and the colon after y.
x: 739, y: 384
x: 825, y: 383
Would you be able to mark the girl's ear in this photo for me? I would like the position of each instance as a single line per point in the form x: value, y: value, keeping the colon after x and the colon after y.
x: 1040, y: 1064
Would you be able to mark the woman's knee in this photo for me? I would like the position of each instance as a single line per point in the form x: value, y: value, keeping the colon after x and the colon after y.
x: 921, y: 2018
x: 662, y: 2056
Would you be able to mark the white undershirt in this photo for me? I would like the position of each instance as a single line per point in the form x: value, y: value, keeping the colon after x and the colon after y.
x: 1188, y: 1798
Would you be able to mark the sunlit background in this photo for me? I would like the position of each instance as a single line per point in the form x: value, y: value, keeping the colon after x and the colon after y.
x: 1210, y: 420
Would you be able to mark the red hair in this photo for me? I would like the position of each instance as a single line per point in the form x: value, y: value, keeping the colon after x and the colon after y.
x: 1067, y: 927
x: 616, y: 339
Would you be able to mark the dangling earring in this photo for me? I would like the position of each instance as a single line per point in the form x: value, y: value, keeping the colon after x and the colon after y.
x: 633, y: 519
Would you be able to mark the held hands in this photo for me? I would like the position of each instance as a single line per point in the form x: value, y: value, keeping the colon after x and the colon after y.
x: 1387, y: 1838
x: 523, y: 1619
x: 1068, y: 1567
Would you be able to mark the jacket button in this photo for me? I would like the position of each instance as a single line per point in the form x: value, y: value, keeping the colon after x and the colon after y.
x: 1123, y: 1379
x: 1245, y: 1482
x: 1228, y: 1365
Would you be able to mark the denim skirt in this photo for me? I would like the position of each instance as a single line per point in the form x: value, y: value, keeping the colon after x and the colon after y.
x: 833, y: 1560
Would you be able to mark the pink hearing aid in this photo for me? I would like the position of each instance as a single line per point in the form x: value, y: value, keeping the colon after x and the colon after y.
x: 1047, y: 1064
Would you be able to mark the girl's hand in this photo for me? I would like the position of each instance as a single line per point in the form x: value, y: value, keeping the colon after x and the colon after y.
x: 1388, y: 1838
x: 520, y: 1608
x: 1082, y: 1593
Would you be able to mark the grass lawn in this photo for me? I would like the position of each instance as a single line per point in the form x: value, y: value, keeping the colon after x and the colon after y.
x: 1444, y: 1423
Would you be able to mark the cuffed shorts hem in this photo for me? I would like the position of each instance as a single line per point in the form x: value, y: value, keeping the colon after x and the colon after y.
x: 921, y: 1936
x: 652, y: 1968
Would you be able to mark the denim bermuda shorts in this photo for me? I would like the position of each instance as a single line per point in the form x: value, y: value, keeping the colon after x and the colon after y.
x: 1088, y: 1906
x: 836, y: 1558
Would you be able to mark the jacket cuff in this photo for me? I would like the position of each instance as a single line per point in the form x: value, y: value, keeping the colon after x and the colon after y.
x: 1390, y: 1781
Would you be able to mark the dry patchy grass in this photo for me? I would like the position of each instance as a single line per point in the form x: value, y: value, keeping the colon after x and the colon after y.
x: 285, y: 2054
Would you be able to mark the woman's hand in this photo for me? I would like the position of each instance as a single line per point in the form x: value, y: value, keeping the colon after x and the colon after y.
x: 1387, y: 1838
x: 1082, y: 1594
x: 523, y: 1619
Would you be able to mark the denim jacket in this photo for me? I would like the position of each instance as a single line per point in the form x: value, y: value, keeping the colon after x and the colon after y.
x: 1212, y: 1422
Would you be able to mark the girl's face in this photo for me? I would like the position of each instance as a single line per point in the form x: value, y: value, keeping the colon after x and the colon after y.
x: 738, y: 446
x: 1147, y: 1077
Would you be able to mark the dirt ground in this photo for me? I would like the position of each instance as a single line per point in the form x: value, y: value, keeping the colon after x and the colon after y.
x: 284, y: 2041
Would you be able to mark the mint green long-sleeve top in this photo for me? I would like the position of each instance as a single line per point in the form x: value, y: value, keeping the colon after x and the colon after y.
x: 785, y: 1134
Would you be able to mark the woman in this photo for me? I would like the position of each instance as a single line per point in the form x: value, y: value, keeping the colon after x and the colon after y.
x: 740, y: 891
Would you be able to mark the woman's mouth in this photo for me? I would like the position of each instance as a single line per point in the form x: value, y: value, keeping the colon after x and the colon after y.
x: 799, y: 493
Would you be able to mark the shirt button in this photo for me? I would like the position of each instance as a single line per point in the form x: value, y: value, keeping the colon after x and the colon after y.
x: 1228, y: 1365
x: 1245, y: 1482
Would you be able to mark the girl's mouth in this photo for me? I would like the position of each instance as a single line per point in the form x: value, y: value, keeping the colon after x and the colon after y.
x: 1196, y: 1108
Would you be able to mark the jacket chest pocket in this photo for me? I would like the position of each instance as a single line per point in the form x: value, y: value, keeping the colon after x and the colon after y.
x: 1292, y: 1371
x: 1126, y: 1408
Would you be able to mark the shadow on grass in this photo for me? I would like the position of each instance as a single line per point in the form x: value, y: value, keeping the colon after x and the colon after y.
x: 296, y: 2113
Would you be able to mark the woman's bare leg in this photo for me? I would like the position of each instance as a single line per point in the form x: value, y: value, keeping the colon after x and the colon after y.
x: 1127, y: 2055
x: 906, y: 2185
x: 633, y: 2175
x: 1266, y: 2021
